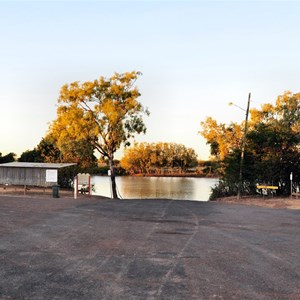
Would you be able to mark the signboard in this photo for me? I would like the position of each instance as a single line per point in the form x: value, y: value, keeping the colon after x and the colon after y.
x: 271, y: 187
x: 51, y: 176
x: 83, y: 178
x: 83, y: 184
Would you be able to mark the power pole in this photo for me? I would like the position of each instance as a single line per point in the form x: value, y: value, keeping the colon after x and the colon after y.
x: 243, y: 149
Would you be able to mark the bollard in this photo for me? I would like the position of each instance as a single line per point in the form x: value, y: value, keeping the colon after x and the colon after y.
x: 55, y: 191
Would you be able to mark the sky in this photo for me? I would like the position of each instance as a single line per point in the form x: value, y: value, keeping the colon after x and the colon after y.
x: 195, y: 57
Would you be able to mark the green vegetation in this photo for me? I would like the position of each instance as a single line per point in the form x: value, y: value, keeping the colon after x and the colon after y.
x: 10, y: 157
x: 272, y: 148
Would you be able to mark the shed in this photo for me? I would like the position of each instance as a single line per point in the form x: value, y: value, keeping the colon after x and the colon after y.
x: 31, y: 174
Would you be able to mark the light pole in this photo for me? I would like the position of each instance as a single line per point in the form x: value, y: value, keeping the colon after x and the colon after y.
x: 243, y: 146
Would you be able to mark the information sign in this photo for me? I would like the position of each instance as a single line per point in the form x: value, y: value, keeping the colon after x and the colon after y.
x: 51, y: 176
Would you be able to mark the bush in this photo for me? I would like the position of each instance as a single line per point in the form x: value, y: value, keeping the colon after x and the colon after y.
x: 223, y: 189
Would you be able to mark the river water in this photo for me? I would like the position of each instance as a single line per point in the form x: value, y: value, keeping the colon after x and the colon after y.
x: 180, y: 188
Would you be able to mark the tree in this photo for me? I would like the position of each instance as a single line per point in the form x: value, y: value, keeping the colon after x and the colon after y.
x: 145, y: 158
x: 31, y: 156
x: 45, y: 151
x: 48, y: 150
x: 137, y: 159
x: 104, y: 114
x: 276, y: 155
x: 222, y: 138
x: 10, y: 157
x: 272, y: 148
x: 275, y: 141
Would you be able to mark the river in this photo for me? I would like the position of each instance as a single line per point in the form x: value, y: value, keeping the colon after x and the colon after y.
x: 180, y: 188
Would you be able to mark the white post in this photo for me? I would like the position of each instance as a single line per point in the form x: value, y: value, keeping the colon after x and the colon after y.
x: 291, y: 178
x: 75, y: 187
x: 89, y: 185
x: 109, y: 176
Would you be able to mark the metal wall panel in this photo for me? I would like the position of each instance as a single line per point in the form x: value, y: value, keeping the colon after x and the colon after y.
x: 23, y: 176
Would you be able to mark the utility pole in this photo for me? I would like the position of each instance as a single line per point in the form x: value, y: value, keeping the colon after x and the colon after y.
x: 243, y: 149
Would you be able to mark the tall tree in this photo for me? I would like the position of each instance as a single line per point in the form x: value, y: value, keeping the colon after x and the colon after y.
x: 104, y: 113
x: 275, y: 141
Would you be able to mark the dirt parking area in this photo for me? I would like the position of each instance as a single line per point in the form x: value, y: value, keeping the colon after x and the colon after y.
x: 277, y: 202
x: 93, y: 248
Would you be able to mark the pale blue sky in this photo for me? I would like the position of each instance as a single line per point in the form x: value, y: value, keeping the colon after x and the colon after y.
x: 195, y: 58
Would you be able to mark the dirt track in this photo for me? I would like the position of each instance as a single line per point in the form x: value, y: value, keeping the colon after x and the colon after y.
x: 94, y: 248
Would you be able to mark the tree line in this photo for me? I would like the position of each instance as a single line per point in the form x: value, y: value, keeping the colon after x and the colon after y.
x: 159, y: 158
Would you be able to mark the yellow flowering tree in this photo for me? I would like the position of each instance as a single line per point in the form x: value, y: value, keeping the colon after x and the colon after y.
x: 104, y: 113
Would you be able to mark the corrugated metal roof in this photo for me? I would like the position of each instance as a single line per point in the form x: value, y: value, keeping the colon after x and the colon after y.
x: 37, y: 165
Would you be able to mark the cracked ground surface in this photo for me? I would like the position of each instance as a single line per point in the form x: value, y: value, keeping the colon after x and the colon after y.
x: 146, y: 249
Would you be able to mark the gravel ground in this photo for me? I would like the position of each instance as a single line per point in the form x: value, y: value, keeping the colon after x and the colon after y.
x: 93, y: 248
x: 276, y: 202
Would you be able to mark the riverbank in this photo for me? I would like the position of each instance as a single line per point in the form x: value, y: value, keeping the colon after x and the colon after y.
x: 193, y: 175
x: 277, y: 202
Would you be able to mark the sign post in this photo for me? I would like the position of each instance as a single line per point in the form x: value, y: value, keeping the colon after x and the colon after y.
x: 84, y: 181
x: 291, y: 178
x: 75, y: 187
x: 109, y: 175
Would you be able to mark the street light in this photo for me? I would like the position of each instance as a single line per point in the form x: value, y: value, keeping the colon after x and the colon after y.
x: 233, y: 104
x: 243, y: 145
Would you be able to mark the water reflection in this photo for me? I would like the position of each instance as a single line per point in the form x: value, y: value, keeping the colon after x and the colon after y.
x: 156, y: 187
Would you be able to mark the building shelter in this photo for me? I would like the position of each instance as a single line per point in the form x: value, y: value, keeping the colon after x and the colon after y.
x: 31, y: 174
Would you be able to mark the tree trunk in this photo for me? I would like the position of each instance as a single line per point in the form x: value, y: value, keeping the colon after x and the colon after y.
x: 113, y: 178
